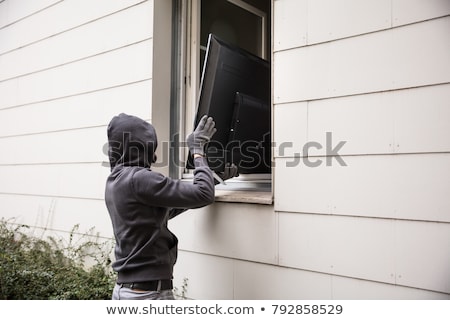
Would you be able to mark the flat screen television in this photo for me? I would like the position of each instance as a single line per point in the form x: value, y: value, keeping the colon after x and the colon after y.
x: 235, y: 90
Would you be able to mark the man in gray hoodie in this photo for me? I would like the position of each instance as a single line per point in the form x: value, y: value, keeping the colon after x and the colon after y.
x: 141, y: 201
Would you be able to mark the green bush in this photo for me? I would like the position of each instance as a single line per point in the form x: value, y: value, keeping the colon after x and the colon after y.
x: 35, y: 269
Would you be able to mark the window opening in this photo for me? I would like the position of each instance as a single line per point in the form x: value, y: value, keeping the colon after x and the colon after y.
x: 244, y: 24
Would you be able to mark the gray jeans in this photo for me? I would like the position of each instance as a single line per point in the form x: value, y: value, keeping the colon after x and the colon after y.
x: 121, y: 293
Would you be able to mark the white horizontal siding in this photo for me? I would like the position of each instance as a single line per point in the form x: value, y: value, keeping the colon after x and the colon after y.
x: 383, y: 250
x: 290, y: 131
x: 405, y: 121
x: 241, y: 280
x: 13, y: 11
x: 71, y: 112
x: 105, y: 34
x: 118, y: 67
x: 299, y: 23
x: 393, y: 186
x: 359, y: 248
x: 290, y: 27
x: 329, y: 20
x: 410, y: 11
x: 83, y: 145
x: 410, y: 56
x: 237, y: 279
x: 351, y: 289
x: 53, y: 213
x: 423, y: 262
x: 266, y: 282
x: 56, y: 19
x: 208, y: 277
x: 402, y: 121
x: 242, y: 231
x: 82, y: 180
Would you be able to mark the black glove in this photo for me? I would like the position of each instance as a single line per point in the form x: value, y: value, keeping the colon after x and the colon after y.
x: 202, y: 134
x: 230, y: 171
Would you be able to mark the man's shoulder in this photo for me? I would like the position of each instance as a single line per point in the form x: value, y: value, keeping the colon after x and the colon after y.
x: 145, y: 172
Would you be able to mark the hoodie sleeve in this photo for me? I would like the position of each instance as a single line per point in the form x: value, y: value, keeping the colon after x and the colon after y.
x: 157, y: 190
x: 175, y: 212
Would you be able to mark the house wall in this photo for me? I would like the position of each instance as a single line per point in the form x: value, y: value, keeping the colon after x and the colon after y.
x: 66, y: 68
x: 375, y: 74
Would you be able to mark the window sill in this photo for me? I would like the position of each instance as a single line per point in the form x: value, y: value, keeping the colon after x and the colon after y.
x: 254, y: 189
x: 254, y: 197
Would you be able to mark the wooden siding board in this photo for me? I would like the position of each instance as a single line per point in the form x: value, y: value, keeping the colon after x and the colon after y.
x: 392, y: 186
x: 208, y: 277
x: 413, y: 120
x: 329, y: 20
x: 54, y: 213
x: 252, y: 280
x: 12, y: 11
x: 411, y: 11
x: 118, y: 67
x: 290, y: 24
x: 364, y: 123
x: 290, y: 129
x: 298, y: 23
x: 346, y: 246
x: 394, y: 59
x: 102, y: 35
x: 382, y: 250
x: 422, y: 120
x: 351, y: 289
x: 266, y: 282
x: 423, y: 258
x: 58, y: 19
x: 70, y: 146
x: 70, y: 112
x: 82, y: 180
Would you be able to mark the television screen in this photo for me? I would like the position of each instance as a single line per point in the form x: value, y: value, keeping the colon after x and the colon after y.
x: 229, y: 74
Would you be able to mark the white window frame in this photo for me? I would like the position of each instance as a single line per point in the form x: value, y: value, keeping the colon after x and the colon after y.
x: 189, y: 82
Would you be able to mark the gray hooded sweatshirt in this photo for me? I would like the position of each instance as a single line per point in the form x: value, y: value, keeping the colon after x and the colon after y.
x: 141, y: 201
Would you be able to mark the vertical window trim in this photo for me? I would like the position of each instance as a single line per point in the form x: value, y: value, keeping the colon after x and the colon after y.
x: 193, y: 62
x: 185, y: 80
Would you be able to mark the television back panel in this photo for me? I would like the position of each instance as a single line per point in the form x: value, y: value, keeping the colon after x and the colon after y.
x: 249, y: 143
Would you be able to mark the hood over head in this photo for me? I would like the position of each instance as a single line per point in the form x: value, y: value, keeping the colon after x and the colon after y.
x: 131, y: 142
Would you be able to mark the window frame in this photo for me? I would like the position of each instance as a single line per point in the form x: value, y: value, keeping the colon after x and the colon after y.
x: 185, y: 94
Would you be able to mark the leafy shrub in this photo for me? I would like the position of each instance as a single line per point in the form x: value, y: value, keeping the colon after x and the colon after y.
x: 33, y: 268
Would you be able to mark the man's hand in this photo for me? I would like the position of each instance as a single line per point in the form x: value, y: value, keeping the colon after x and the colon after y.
x: 230, y: 171
x: 202, y: 135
